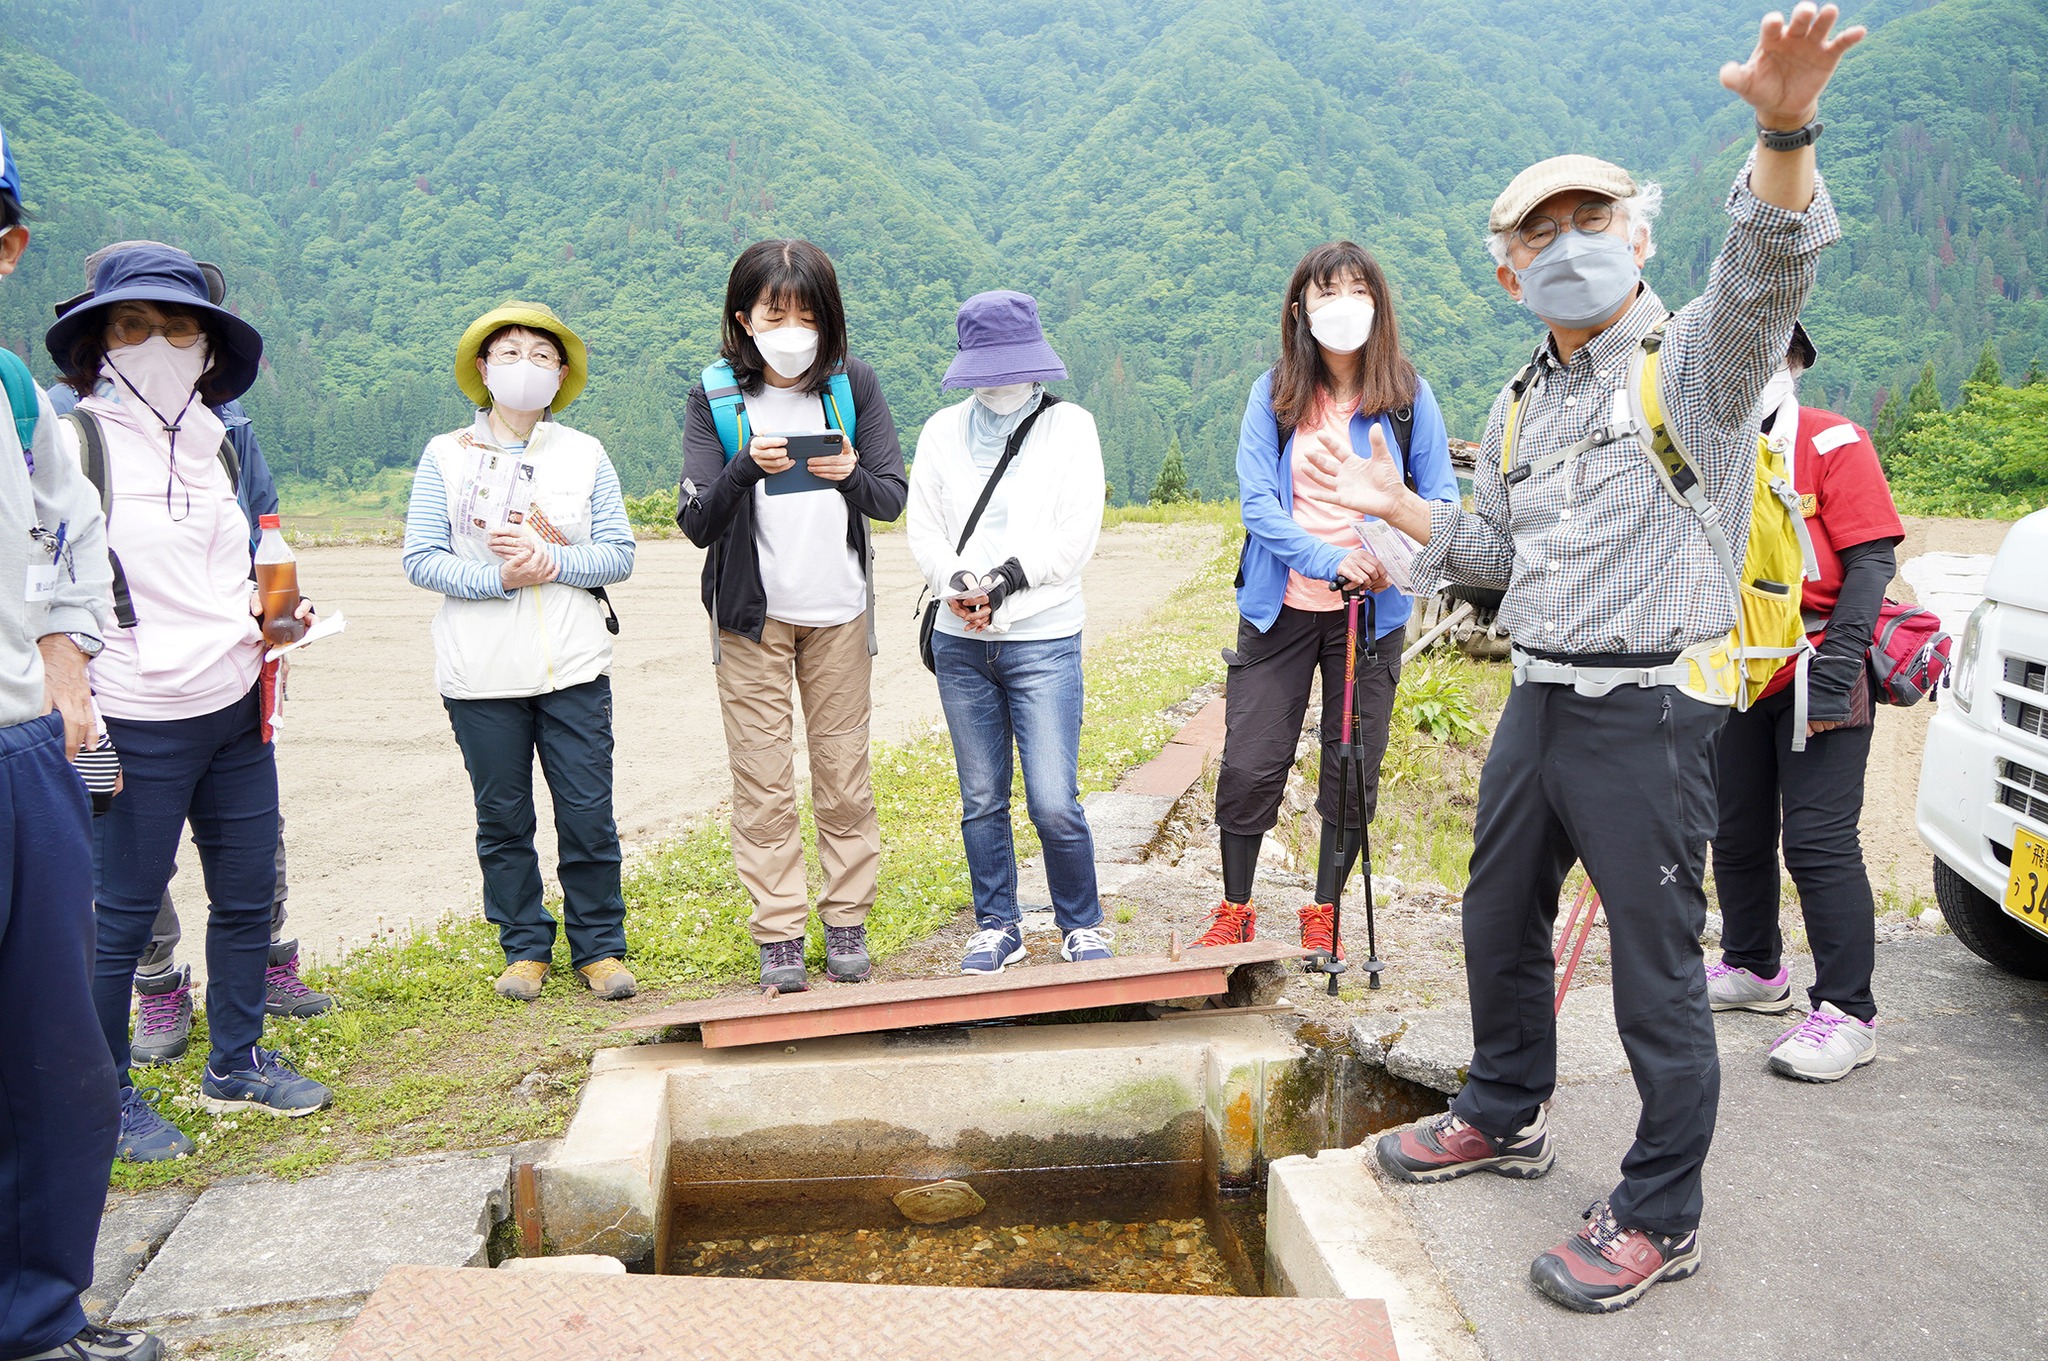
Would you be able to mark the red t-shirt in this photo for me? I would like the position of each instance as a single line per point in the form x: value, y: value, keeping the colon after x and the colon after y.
x: 1846, y: 501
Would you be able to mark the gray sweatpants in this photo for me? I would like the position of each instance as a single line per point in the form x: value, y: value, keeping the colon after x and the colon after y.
x: 166, y: 933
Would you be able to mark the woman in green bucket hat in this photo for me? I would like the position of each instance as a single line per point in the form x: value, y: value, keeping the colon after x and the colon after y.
x: 517, y: 521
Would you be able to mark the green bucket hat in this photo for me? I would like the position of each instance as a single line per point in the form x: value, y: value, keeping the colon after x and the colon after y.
x: 534, y: 316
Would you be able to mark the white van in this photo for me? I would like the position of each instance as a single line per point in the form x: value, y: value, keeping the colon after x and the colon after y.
x: 1983, y: 807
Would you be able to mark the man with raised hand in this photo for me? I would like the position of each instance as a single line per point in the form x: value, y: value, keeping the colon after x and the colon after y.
x: 1605, y: 752
x: 59, y: 1104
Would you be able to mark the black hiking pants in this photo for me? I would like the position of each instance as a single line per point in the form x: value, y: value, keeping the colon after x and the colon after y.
x: 1820, y: 791
x: 1625, y: 784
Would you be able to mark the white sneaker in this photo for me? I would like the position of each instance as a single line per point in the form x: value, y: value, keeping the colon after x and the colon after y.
x: 1825, y: 1047
x: 1733, y: 989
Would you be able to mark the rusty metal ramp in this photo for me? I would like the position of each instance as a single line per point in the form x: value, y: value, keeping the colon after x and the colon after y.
x: 457, y: 1314
x: 852, y: 1008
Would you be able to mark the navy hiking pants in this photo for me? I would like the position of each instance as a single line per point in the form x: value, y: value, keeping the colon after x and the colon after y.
x: 60, y: 1111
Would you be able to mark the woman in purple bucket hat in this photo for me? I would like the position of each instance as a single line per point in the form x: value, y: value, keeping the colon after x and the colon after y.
x: 1006, y: 498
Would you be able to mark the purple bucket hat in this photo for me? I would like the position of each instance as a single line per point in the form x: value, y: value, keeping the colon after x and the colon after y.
x: 1001, y: 342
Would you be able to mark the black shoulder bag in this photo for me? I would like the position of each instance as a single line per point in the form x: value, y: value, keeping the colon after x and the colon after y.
x: 1016, y: 441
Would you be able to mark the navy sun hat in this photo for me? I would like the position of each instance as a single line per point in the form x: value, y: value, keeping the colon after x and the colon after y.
x: 158, y: 273
x: 1001, y: 343
x: 10, y: 177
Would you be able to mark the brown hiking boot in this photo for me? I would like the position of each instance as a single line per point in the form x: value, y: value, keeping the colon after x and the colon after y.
x: 609, y: 979
x: 1447, y: 1147
x: 1318, y: 925
x: 522, y: 979
x: 1604, y: 1267
x: 1229, y: 924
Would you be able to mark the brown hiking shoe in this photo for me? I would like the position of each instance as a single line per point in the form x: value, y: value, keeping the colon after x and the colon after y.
x: 1229, y: 924
x: 609, y: 979
x: 1318, y: 925
x: 522, y: 979
x: 1447, y: 1147
x: 1604, y: 1267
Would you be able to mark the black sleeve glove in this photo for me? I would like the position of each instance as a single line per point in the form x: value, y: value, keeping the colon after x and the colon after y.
x: 1867, y: 568
x: 1004, y: 582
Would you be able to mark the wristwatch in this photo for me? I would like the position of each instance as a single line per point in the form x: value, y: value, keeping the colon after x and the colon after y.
x: 1790, y: 141
x: 86, y: 644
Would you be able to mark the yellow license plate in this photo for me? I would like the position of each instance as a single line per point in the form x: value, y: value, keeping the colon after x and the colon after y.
x: 2026, y: 889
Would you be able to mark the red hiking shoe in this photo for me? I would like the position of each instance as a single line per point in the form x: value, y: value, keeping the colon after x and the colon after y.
x: 1229, y: 924
x: 1446, y: 1147
x: 1318, y: 924
x: 1604, y: 1267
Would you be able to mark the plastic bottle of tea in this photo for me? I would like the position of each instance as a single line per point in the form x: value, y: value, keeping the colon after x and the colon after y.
x: 277, y: 580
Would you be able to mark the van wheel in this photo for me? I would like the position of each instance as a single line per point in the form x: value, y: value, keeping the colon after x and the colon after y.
x: 1980, y: 923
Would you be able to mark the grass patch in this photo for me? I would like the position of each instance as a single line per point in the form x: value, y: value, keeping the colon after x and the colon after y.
x: 423, y: 1056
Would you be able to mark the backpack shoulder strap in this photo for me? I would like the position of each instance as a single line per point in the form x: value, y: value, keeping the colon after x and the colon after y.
x: 839, y: 403
x: 1518, y: 388
x: 1403, y: 419
x: 1674, y: 466
x: 21, y: 396
x: 92, y: 459
x: 728, y: 409
x: 231, y: 463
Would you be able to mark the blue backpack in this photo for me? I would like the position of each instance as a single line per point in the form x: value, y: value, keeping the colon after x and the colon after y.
x: 729, y: 408
x: 21, y: 397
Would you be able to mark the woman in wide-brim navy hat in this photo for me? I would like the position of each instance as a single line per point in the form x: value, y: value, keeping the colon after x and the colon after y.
x: 178, y: 678
x: 1007, y: 643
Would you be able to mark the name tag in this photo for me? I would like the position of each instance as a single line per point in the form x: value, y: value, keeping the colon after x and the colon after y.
x: 42, y: 584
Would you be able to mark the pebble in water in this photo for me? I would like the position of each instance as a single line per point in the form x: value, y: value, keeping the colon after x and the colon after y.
x: 1163, y: 1257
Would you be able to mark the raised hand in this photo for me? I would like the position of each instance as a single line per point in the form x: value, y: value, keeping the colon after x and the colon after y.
x: 1793, y: 62
x: 1370, y: 486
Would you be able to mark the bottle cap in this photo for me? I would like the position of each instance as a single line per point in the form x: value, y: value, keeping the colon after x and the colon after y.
x: 270, y: 522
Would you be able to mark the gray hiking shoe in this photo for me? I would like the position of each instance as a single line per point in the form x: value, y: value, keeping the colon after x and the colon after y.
x: 284, y: 992
x: 1733, y: 989
x: 846, y: 954
x: 94, y: 1343
x: 782, y: 966
x: 163, y: 1023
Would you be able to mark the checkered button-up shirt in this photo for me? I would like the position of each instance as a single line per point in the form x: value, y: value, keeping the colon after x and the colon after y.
x: 1593, y: 553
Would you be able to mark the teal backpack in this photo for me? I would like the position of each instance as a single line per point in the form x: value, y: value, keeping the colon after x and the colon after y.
x: 729, y: 409
x: 21, y: 396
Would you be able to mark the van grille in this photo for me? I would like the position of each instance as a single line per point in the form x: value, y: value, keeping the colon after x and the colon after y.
x: 2023, y: 790
x: 2028, y: 675
x: 2028, y: 718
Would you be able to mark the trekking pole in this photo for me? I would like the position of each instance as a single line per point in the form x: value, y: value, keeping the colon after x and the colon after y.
x: 1588, y: 903
x: 1353, y: 723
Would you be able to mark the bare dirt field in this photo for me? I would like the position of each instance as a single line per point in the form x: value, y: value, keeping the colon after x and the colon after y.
x: 379, y: 823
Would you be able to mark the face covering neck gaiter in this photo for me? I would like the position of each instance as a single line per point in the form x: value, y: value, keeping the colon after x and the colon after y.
x: 164, y: 379
x: 1580, y: 278
x: 788, y: 350
x: 1781, y: 389
x: 1005, y: 399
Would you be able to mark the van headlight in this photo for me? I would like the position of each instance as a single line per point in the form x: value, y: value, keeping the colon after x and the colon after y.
x: 1963, y: 681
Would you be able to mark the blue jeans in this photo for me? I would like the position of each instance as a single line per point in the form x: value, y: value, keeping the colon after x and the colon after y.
x: 995, y: 692
x: 59, y: 1114
x: 217, y: 771
x: 571, y: 731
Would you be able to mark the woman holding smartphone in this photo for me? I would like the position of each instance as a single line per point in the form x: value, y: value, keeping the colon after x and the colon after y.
x: 1342, y: 379
x: 789, y: 586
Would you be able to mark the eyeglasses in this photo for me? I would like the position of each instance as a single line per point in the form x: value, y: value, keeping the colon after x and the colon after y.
x: 538, y: 357
x: 1591, y: 217
x: 183, y: 332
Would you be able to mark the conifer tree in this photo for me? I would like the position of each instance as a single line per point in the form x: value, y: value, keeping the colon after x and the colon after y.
x: 1172, y: 483
x: 1988, y: 369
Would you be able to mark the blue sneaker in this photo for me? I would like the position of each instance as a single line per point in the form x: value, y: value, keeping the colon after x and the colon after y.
x: 268, y: 1085
x: 1086, y: 942
x: 147, y: 1137
x: 994, y: 949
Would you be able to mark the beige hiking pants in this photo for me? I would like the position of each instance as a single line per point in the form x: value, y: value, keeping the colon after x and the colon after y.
x: 831, y: 667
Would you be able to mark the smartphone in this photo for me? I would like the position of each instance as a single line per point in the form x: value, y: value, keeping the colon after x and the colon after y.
x: 804, y: 448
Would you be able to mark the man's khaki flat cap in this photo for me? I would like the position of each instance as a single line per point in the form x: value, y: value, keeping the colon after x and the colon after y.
x: 1554, y: 176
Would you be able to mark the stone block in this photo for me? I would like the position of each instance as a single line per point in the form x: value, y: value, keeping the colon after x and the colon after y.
x: 600, y: 1189
x: 316, y: 1248
x: 579, y: 1264
x: 131, y: 1231
x: 1436, y: 1046
x: 1331, y: 1233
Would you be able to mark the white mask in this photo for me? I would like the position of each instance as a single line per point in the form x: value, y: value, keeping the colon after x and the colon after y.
x: 522, y: 386
x: 159, y: 373
x: 788, y: 350
x: 1342, y: 325
x: 1780, y: 388
x: 1005, y: 399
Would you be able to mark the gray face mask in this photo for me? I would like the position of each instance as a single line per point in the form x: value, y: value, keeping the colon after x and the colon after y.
x: 1580, y: 278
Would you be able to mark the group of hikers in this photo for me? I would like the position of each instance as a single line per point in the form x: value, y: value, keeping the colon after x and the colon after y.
x: 1623, y: 745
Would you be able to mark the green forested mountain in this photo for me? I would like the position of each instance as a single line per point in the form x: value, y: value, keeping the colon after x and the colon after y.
x: 372, y: 176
